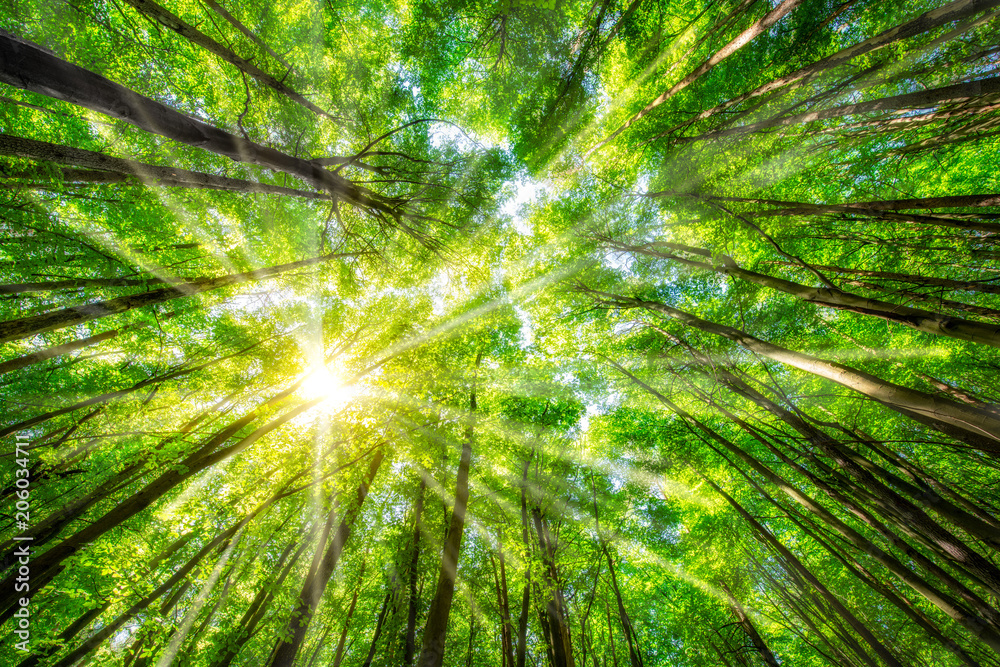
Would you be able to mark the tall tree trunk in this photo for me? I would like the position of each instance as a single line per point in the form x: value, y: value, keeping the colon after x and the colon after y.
x: 379, y: 624
x: 221, y: 11
x: 982, y: 89
x: 863, y: 472
x: 166, y: 18
x: 414, y: 573
x: 522, y: 619
x: 805, y: 574
x: 914, y: 318
x: 436, y: 629
x: 339, y: 655
x: 930, y: 20
x: 985, y: 627
x: 258, y: 606
x: 312, y: 589
x: 986, y: 286
x: 74, y: 345
x: 635, y: 658
x: 744, y: 38
x: 49, y: 564
x: 979, y: 428
x: 750, y: 629
x: 101, y: 168
x: 114, y: 395
x: 27, y: 66
x: 24, y: 327
x: 220, y: 542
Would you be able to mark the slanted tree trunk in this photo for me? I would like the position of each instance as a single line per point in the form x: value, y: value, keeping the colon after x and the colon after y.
x: 49, y: 564
x: 258, y: 606
x: 984, y: 90
x: 914, y: 318
x: 556, y: 613
x: 930, y: 20
x: 978, y: 428
x: 801, y: 571
x: 746, y: 624
x: 114, y: 395
x: 985, y: 286
x: 101, y: 168
x: 380, y: 623
x: 166, y: 18
x: 744, y: 38
x: 436, y: 629
x: 27, y: 66
x: 312, y: 589
x: 72, y: 346
x: 220, y: 542
x: 986, y: 627
x: 635, y: 658
x: 414, y: 573
x: 339, y: 655
x: 221, y: 11
x: 59, y: 319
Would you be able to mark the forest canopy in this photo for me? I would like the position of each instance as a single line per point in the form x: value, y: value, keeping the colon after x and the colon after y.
x: 510, y: 333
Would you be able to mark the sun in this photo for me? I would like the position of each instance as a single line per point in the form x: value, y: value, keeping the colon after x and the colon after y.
x: 321, y: 383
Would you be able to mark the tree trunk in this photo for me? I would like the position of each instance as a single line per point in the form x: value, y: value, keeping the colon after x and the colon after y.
x: 744, y: 38
x: 48, y: 564
x: 985, y: 286
x: 379, y: 624
x: 436, y: 628
x: 113, y: 395
x: 985, y: 89
x: 914, y: 318
x: 100, y: 168
x: 339, y: 655
x: 74, y: 345
x: 938, y: 412
x: 221, y: 11
x: 29, y: 67
x: 255, y: 612
x: 220, y: 541
x: 926, y: 22
x: 986, y: 628
x: 312, y: 589
x: 802, y: 571
x: 749, y: 629
x: 414, y: 601
x: 59, y: 319
x: 522, y: 620
x: 166, y: 18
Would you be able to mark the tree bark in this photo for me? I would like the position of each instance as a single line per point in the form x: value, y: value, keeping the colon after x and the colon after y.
x: 744, y: 38
x: 985, y: 89
x: 749, y: 628
x: 49, y: 564
x: 312, y: 589
x: 436, y: 628
x: 166, y: 18
x: 414, y: 601
x: 522, y: 620
x: 101, y: 168
x: 930, y: 20
x: 939, y: 412
x: 59, y: 319
x: 914, y: 318
x: 219, y: 541
x: 796, y: 566
x: 986, y: 628
x: 29, y: 67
